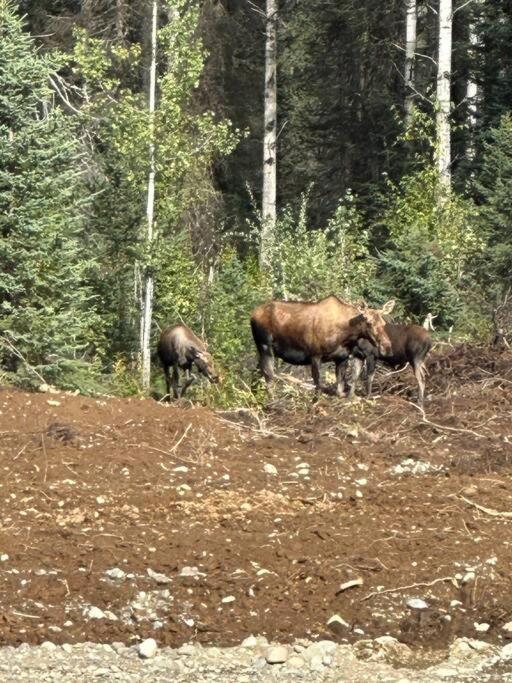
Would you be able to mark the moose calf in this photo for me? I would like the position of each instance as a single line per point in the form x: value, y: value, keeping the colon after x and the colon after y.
x: 409, y: 344
x: 180, y: 348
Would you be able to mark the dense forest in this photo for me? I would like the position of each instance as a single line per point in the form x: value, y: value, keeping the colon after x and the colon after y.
x: 187, y: 159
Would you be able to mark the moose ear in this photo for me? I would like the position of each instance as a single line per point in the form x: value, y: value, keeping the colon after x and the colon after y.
x: 388, y: 306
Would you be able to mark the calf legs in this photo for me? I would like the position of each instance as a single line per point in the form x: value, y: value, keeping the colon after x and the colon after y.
x: 174, y: 382
x: 419, y: 373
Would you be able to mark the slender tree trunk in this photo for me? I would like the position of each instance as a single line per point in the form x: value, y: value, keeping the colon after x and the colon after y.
x: 268, y: 209
x: 148, y: 282
x: 444, y: 68
x: 472, y: 97
x: 410, y: 55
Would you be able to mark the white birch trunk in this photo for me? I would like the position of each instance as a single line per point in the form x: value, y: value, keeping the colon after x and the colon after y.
x: 472, y: 98
x: 148, y: 283
x: 268, y: 209
x: 444, y: 68
x: 410, y: 54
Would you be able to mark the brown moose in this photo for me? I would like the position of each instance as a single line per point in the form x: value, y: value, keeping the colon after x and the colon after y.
x: 180, y: 349
x: 409, y: 344
x: 303, y: 333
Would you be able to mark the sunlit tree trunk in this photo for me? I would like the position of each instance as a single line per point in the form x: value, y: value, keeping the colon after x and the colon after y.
x: 443, y: 92
x: 410, y: 53
x: 268, y: 209
x: 147, y: 278
x: 472, y: 98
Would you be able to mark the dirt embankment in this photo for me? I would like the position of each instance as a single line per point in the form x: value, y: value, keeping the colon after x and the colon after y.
x: 254, y: 524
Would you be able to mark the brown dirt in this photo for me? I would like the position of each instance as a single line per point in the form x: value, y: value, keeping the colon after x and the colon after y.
x: 90, y: 484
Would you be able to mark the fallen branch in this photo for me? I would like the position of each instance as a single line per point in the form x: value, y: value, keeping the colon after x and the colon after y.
x: 413, y: 585
x: 19, y: 355
x: 181, y: 438
x: 488, y: 511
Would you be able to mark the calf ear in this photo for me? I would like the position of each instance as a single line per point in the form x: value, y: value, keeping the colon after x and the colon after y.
x: 388, y: 306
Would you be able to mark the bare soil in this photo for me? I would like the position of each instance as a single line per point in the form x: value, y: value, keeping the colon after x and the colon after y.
x: 89, y: 484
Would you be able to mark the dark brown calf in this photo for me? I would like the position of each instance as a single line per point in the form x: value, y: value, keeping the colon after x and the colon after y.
x: 180, y: 349
x: 304, y: 333
x: 409, y: 344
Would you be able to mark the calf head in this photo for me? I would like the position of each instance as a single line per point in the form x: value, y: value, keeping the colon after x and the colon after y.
x: 204, y: 363
x: 374, y: 325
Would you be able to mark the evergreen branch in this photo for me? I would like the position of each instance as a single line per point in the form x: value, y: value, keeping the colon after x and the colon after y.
x: 19, y: 355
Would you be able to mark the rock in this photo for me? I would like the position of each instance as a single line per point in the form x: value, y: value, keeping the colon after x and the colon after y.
x: 445, y: 672
x: 228, y: 599
x: 466, y: 647
x: 190, y: 571
x: 277, y: 654
x: 269, y: 468
x: 49, y: 646
x: 188, y: 650
x: 148, y: 648
x: 468, y: 577
x: 250, y: 641
x: 295, y: 662
x: 115, y: 573
x: 94, y: 613
x: 481, y: 628
x: 4, y: 557
x: 110, y: 615
x: 506, y: 652
x: 68, y: 648
x: 161, y: 579
x: 316, y: 663
x: 101, y: 500
x: 390, y: 649
x: 180, y: 468
x: 259, y: 663
x: 507, y: 629
x: 338, y: 625
x: 416, y: 603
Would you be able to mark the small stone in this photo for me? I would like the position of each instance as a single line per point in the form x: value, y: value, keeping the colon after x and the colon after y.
x: 180, y: 468
x: 455, y: 603
x: 277, y: 654
x: 270, y: 469
x: 101, y: 500
x: 4, y: 557
x: 295, y: 662
x: 337, y: 625
x: 115, y: 573
x: 468, y: 577
x: 259, y: 663
x: 481, y: 628
x: 148, y: 648
x: 361, y: 482
x: 188, y: 650
x: 68, y: 648
x: 110, y: 615
x: 191, y: 571
x: 161, y: 579
x: 507, y: 628
x: 416, y: 603
x: 228, y: 598
x: 94, y: 613
x: 47, y: 645
x: 316, y: 663
x: 250, y: 641
x: 506, y: 652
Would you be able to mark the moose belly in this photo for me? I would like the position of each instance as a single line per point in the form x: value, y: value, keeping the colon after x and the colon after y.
x: 291, y: 355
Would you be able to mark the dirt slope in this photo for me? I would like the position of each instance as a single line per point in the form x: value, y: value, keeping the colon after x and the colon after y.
x: 366, y: 490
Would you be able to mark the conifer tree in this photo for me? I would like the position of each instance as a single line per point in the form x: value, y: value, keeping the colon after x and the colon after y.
x: 46, y: 311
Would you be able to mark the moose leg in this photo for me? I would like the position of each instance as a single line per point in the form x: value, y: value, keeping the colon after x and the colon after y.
x: 190, y: 378
x: 266, y: 365
x: 371, y: 366
x: 316, y: 364
x: 419, y: 373
x: 340, y: 376
x: 167, y: 373
x: 175, y: 382
x: 356, y: 372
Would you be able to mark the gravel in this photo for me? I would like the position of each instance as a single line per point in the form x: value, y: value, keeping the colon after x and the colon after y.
x: 383, y: 659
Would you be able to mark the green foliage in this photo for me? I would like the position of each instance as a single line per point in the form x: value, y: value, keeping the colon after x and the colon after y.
x: 186, y: 142
x: 48, y: 311
x: 432, y: 240
x: 494, y: 184
x: 312, y: 263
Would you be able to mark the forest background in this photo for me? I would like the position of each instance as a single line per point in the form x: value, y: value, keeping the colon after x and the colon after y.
x: 110, y: 212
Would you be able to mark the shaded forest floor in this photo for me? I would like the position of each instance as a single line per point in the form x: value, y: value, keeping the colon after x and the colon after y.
x: 227, y: 524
